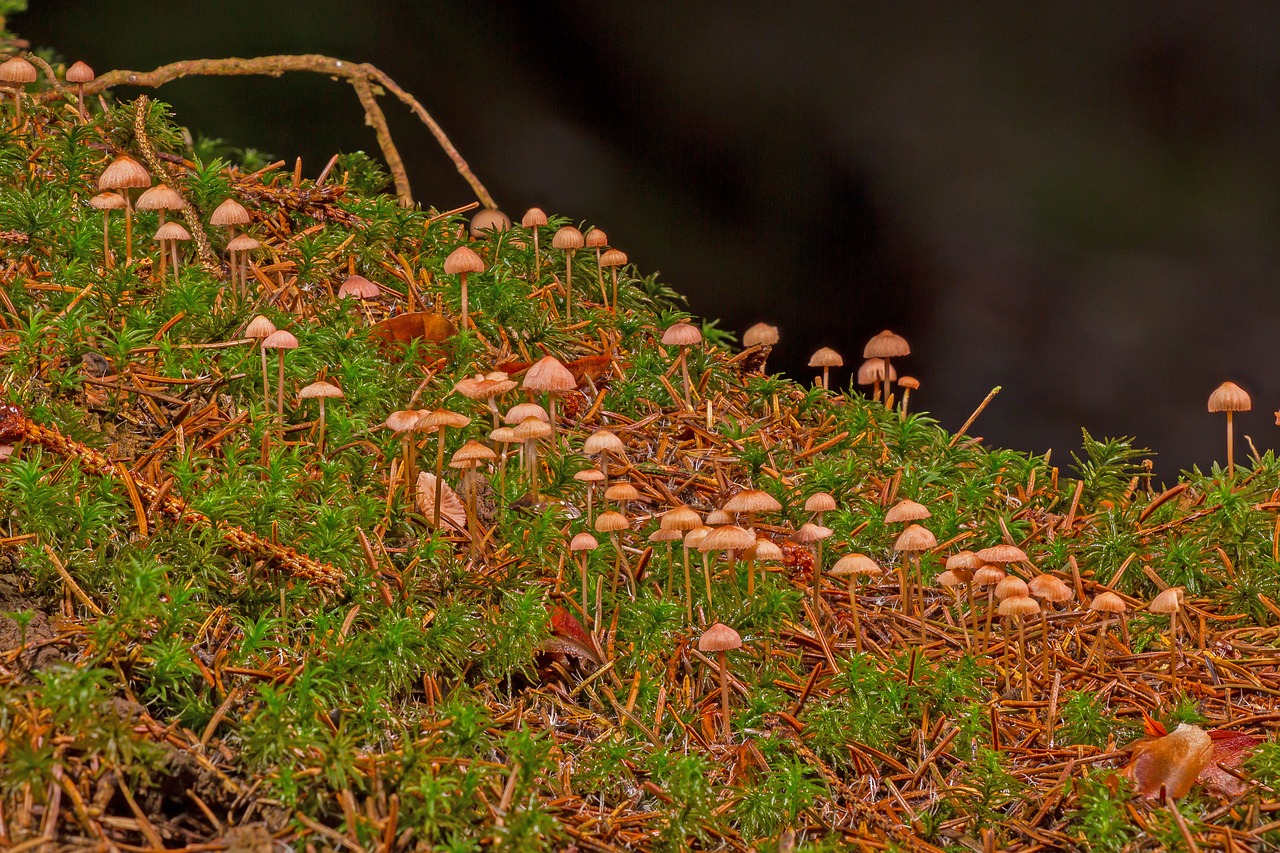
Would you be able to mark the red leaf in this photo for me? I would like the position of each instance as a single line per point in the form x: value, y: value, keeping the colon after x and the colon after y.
x: 568, y: 637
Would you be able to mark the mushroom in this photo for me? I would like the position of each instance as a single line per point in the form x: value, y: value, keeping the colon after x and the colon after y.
x: 123, y: 174
x: 173, y: 234
x: 683, y: 335
x: 259, y: 329
x: 488, y: 221
x: 17, y: 72
x: 440, y: 420
x: 683, y: 519
x: 613, y: 258
x: 548, y: 375
x: 660, y: 536
x: 949, y: 580
x: 590, y: 476
x: 80, y: 73
x: 826, y: 358
x: 966, y: 562
x: 763, y: 337
x: 1109, y: 604
x: 468, y: 457
x: 1170, y: 601
x: 854, y: 566
x: 1050, y: 589
x: 228, y: 215
x: 888, y: 346
x: 107, y: 202
x: 819, y: 503
x: 241, y: 245
x: 612, y: 522
x: 721, y: 639
x: 534, y: 219
x: 693, y: 539
x: 872, y: 372
x: 907, y: 384
x: 987, y: 576
x: 1009, y: 587
x: 570, y: 240
x: 460, y: 262
x: 486, y: 388
x: 749, y: 502
x: 601, y: 443
x: 280, y: 341
x: 504, y: 436
x: 528, y: 432
x: 622, y: 493
x: 321, y: 391
x: 160, y: 198
x: 403, y: 422
x: 813, y: 535
x: 905, y: 511
x: 914, y: 541
x: 1230, y: 398
x: 727, y: 539
x: 581, y: 544
x: 1020, y: 607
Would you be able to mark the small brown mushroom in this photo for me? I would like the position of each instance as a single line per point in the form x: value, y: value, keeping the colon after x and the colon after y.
x: 122, y: 175
x: 888, y: 346
x: 1230, y: 398
x: 581, y: 544
x: 280, y: 341
x: 320, y: 391
x: 173, y: 234
x: 826, y: 358
x: 569, y: 240
x: 107, y: 202
x: 468, y: 457
x: 853, y: 567
x: 259, y: 329
x: 440, y: 421
x: 534, y: 219
x: 721, y: 639
x: 548, y: 375
x: 461, y: 261
x: 613, y: 258
x: 1170, y: 602
x: 17, y: 72
x: 80, y: 73
x: 1020, y: 607
x: 683, y: 335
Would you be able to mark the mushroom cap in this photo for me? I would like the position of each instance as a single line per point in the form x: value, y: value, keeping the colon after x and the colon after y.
x: 613, y: 258
x: 482, y: 387
x: 589, y: 475
x: 1002, y: 554
x: 595, y: 238
x: 473, y: 451
x: 1019, y: 605
x: 872, y: 370
x: 760, y: 335
x: 355, y: 285
x: 1229, y: 397
x: 909, y: 382
x: 730, y: 537
x: 1050, y: 588
x: 1011, y: 586
x: 952, y: 578
x: 489, y: 220
x: 17, y: 70
x: 549, y: 374
x: 682, y: 335
x: 230, y: 212
x: 280, y: 339
x: 319, y: 389
x: 752, y: 500
x: 259, y: 327
x: 819, y: 502
x: 1168, y: 601
x: 810, y: 533
x: 568, y: 237
x: 503, y: 435
x: 764, y: 549
x: 402, y: 420
x: 583, y: 542
x: 243, y: 243
x: 603, y: 440
x: 520, y: 412
x: 719, y: 638
x: 438, y: 418
x: 160, y: 197
x: 107, y: 201
x: 681, y: 518
x: 172, y: 231
x: 915, y: 538
x: 906, y: 510
x: 611, y: 521
x: 532, y: 429
x: 826, y: 357
x: 123, y: 173
x: 463, y: 259
x: 79, y: 72
x: 533, y: 217
x: 661, y: 535
x: 622, y: 491
x: 694, y: 537
x: 855, y: 564
x: 1108, y: 602
x: 988, y: 575
x: 718, y: 517
x: 963, y: 560
x: 886, y: 345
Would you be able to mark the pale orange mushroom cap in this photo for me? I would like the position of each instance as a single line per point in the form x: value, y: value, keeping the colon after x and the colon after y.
x: 123, y: 173
x: 1169, y: 601
x: 1011, y: 586
x: 988, y: 575
x: 682, y: 335
x: 760, y: 335
x: 611, y: 522
x: 568, y: 237
x: 820, y: 502
x: 765, y: 549
x: 107, y: 201
x: 963, y: 560
x: 622, y: 492
x: 80, y: 72
x: 280, y: 339
x: 596, y: 239
x: 355, y: 285
x: 463, y: 259
x: 17, y: 70
x: 1019, y: 605
x: 533, y: 218
x: 915, y: 538
x: 855, y: 564
x: 603, y: 440
x: 752, y: 500
x: 243, y: 243
x: 521, y: 412
x: 318, y: 389
x: 717, y: 517
x: 810, y: 533
x: 549, y: 374
x: 583, y: 542
x: 259, y: 327
x: 472, y: 452
x: 613, y: 258
x: 1050, y: 588
x: 160, y: 197
x: 826, y: 357
x: 719, y: 638
x: 1108, y: 602
x: 872, y: 370
x: 886, y: 345
x: 1002, y: 554
x: 489, y: 221
x: 1229, y: 397
x: 172, y: 231
x: 230, y: 212
x: 681, y: 518
x: 906, y: 510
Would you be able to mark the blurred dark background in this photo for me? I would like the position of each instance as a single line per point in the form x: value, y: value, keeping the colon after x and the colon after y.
x: 1078, y: 201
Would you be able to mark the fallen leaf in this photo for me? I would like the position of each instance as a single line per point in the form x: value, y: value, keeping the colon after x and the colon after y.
x: 569, y: 638
x: 1170, y: 763
x: 1230, y: 749
x: 452, y: 512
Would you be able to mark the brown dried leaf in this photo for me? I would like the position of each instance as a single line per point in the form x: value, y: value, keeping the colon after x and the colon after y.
x: 1170, y: 763
x: 569, y: 638
x: 452, y: 512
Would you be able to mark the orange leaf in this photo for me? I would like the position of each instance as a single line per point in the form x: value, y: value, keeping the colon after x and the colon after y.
x: 1170, y: 764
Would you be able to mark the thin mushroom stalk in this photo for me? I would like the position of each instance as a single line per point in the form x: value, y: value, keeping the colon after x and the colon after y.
x: 722, y: 658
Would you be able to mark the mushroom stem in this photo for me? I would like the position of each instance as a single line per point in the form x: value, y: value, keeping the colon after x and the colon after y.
x: 583, y: 563
x: 531, y: 455
x: 409, y: 451
x: 320, y: 437
x: 688, y: 586
x: 537, y: 258
x: 614, y: 306
x: 817, y: 576
x: 961, y: 618
x: 1098, y: 641
x: 466, y: 319
x: 266, y: 391
x: 471, y: 507
x: 684, y: 375
x: 173, y: 247
x: 919, y: 581
x: 106, y: 239
x: 853, y: 608
x: 906, y: 396
x: 722, y: 660
x: 1231, y: 444
x: 986, y: 631
x: 826, y: 378
x: 885, y: 382
x: 706, y: 574
x: 1044, y: 640
x: 84, y: 116
x: 604, y: 294
x: 128, y: 228
x: 1022, y: 658
x: 435, y: 513
x: 568, y: 283
x: 280, y: 394
x: 17, y: 102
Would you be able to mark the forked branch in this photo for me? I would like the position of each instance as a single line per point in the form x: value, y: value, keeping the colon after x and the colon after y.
x: 363, y: 77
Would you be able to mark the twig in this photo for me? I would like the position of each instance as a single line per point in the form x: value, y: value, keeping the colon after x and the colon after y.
x: 963, y: 429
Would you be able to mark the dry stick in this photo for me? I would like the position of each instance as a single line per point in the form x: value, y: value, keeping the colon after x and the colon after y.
x: 963, y: 429
x: 273, y: 66
x: 194, y: 225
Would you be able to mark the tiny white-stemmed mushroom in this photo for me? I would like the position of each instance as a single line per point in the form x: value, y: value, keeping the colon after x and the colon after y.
x: 601, y: 443
x: 826, y: 358
x: 721, y: 639
x: 404, y: 422
x: 549, y: 376
x: 529, y: 432
x: 748, y: 502
x: 1169, y: 602
x: 852, y: 567
x: 228, y: 215
x: 613, y: 522
x: 486, y: 388
x: 569, y: 240
x: 107, y: 202
x: 762, y: 337
x: 122, y: 175
x: 668, y: 537
x: 904, y: 512
x: 987, y: 576
x: 80, y: 73
x: 238, y: 249
x: 468, y: 458
x: 320, y: 391
x: 951, y: 580
x: 907, y: 384
x: 460, y: 262
x: 17, y: 72
x: 172, y: 233
x: 590, y: 476
x: 598, y: 240
x: 1109, y: 604
x: 727, y: 539
x: 966, y: 562
x: 1049, y: 589
x: 873, y: 372
x: 1020, y: 607
x: 683, y: 335
x: 534, y: 219
x: 504, y: 436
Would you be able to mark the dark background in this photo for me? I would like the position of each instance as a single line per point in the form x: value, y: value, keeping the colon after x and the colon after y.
x: 1078, y: 201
